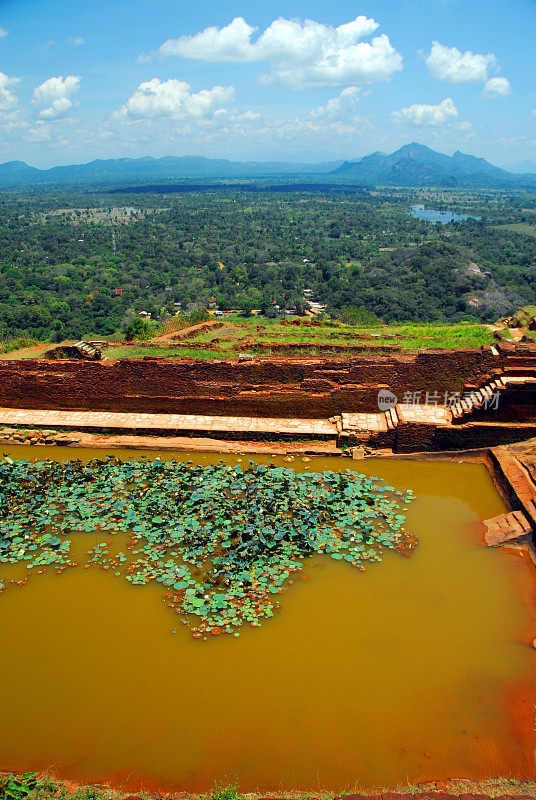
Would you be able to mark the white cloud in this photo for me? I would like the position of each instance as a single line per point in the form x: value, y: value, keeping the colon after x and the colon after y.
x: 173, y: 99
x: 77, y: 40
x: 3, y: 33
x: 53, y: 98
x: 339, y: 107
x: 300, y: 53
x: 357, y: 64
x: 231, y: 43
x: 8, y: 98
x: 497, y: 87
x: 450, y: 64
x: 445, y: 113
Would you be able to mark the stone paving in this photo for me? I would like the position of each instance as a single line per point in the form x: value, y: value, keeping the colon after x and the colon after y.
x: 344, y: 424
x: 369, y: 422
x: 424, y: 414
x: 167, y: 422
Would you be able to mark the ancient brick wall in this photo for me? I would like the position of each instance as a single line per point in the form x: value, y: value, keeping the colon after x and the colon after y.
x: 316, y: 387
x: 475, y: 435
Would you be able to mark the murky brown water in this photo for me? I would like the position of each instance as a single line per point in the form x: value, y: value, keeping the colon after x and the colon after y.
x: 397, y: 674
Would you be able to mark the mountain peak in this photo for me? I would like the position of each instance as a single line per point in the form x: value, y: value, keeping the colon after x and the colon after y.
x: 416, y: 164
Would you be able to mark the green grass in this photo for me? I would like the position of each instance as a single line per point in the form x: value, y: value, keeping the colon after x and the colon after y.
x: 17, y: 344
x: 440, y: 336
x: 114, y: 353
x: 23, y: 347
x: 518, y: 227
x: 408, y: 336
x: 225, y: 792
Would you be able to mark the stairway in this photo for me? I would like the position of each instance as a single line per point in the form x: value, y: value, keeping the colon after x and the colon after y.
x: 506, y: 528
x: 511, y: 376
x: 391, y: 419
x: 477, y: 398
x: 91, y: 352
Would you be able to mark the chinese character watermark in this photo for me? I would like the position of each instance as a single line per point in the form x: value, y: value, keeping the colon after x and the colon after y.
x: 487, y: 400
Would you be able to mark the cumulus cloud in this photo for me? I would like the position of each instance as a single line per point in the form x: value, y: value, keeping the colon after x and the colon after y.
x: 445, y: 113
x: 300, y: 53
x: 3, y: 32
x: 77, y: 40
x: 339, y: 107
x: 54, y: 97
x: 497, y: 87
x: 231, y: 43
x: 8, y: 98
x: 450, y: 64
x: 173, y: 99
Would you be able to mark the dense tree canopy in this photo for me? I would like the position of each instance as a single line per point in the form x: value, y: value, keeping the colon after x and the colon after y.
x: 71, y: 263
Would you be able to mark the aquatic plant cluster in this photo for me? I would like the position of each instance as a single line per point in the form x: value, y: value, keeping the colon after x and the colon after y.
x: 223, y: 540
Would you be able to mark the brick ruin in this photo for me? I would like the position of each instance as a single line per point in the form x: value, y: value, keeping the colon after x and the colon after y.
x: 310, y: 388
x: 283, y: 387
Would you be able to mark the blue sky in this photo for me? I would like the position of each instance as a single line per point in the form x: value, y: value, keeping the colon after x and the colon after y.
x: 290, y: 80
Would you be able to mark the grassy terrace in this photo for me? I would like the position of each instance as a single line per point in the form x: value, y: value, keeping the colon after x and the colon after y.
x: 254, y: 336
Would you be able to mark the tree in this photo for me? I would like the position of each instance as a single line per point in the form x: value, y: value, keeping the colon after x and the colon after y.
x: 140, y: 329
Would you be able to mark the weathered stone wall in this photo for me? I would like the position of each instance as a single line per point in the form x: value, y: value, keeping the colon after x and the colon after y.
x: 319, y: 387
x: 474, y: 435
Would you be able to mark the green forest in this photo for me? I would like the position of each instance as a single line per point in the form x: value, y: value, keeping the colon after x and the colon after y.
x: 79, y: 262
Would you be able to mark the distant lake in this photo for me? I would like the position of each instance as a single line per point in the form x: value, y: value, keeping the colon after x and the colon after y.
x: 433, y: 215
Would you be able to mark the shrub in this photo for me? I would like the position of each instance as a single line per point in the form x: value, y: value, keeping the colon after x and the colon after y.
x: 353, y: 315
x: 229, y: 792
x: 139, y: 329
x: 17, y: 344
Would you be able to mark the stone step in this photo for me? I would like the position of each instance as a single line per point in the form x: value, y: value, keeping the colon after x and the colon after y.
x: 362, y: 422
x: 511, y: 380
x: 506, y: 528
x: 522, y: 370
x: 477, y: 399
x: 526, y: 347
x: 391, y: 418
x: 518, y: 478
x: 424, y: 414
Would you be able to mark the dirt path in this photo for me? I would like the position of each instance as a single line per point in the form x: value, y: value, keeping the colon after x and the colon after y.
x: 185, y: 332
x: 25, y: 352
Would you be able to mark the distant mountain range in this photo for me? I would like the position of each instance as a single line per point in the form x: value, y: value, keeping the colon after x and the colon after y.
x: 412, y: 165
x: 418, y: 165
x: 114, y: 170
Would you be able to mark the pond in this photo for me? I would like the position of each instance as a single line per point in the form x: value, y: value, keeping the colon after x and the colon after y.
x: 416, y: 669
x: 434, y: 215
